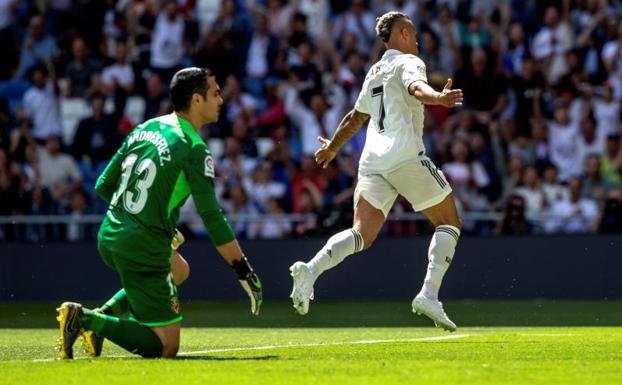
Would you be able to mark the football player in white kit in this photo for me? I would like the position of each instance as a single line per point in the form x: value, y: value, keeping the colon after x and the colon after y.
x: 393, y: 162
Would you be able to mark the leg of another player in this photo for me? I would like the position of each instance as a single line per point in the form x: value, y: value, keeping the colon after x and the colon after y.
x: 368, y: 221
x: 444, y: 217
x: 447, y: 224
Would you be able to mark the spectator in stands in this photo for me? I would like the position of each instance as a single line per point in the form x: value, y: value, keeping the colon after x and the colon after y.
x: 274, y: 226
x: 60, y: 174
x: 435, y: 59
x: 235, y: 167
x: 261, y: 58
x: 467, y: 177
x: 551, y: 44
x: 514, y: 221
x: 280, y: 16
x: 264, y: 187
x: 527, y: 87
x: 339, y: 186
x: 484, y: 89
x: 41, y: 104
x: 79, y: 207
x: 307, y: 76
x: 606, y: 112
x: 117, y: 79
x: 553, y: 190
x: 474, y: 33
x: 576, y: 215
x: 612, y: 58
x: 318, y: 119
x: 237, y: 202
x: 236, y: 102
x: 82, y: 73
x: 516, y: 54
x: 7, y: 41
x: 564, y: 143
x: 168, y: 42
x: 96, y: 139
x: 611, y: 162
x: 307, y: 187
x: 448, y: 31
x: 611, y: 214
x: 595, y: 187
x: 358, y: 21
x: 37, y: 48
x: 309, y: 204
x: 156, y: 101
x: 532, y: 193
x: 589, y: 144
x: 317, y: 13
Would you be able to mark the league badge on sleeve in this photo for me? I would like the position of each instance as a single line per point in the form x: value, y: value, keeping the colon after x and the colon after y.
x: 209, y: 166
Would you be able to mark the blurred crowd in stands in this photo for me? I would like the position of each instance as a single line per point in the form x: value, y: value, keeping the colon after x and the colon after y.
x: 538, y: 138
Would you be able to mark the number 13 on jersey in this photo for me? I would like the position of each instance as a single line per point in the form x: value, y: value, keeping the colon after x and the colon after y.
x: 134, y: 199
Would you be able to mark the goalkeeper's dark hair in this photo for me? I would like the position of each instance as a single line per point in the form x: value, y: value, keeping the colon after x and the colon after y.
x: 384, y: 24
x: 187, y: 82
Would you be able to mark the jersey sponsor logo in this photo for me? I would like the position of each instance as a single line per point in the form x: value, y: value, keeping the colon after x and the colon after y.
x: 421, y: 70
x: 209, y: 166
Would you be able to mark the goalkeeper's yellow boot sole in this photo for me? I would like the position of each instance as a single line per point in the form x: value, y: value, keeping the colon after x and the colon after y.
x: 70, y: 329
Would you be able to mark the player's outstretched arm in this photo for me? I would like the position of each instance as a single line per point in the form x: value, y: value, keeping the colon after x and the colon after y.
x: 200, y: 175
x: 349, y: 125
x: 427, y: 95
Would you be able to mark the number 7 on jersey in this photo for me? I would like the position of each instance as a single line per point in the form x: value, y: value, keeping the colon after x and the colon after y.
x: 379, y: 91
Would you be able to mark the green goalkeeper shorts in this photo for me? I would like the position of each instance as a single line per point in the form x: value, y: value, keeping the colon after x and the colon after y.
x: 150, y: 289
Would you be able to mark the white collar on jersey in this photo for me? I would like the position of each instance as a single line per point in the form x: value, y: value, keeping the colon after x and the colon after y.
x: 392, y: 52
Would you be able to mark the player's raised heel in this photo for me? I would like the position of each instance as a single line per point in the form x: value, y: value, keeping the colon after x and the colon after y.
x: 91, y: 342
x: 434, y: 310
x: 302, y: 291
x: 70, y: 328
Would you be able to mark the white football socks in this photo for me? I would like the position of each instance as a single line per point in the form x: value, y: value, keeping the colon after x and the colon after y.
x: 440, y: 254
x: 338, y: 247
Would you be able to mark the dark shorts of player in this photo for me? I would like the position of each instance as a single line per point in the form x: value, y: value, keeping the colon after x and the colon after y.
x: 150, y: 289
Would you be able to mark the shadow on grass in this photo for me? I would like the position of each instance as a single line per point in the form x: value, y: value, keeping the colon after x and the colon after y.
x: 353, y: 314
x: 214, y: 358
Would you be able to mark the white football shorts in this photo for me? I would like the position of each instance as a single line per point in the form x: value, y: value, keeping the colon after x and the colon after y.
x: 419, y: 181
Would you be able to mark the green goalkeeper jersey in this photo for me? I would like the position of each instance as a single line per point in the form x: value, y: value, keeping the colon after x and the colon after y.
x: 150, y: 177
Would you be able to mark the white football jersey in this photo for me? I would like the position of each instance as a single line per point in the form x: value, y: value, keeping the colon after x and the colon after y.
x: 395, y: 131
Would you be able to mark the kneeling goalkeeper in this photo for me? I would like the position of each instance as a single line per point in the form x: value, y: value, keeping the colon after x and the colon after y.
x: 159, y: 165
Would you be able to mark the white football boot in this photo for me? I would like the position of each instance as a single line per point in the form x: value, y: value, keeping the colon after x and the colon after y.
x: 302, y: 291
x: 433, y: 310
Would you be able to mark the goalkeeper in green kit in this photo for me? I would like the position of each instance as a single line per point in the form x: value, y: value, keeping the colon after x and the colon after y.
x: 158, y: 166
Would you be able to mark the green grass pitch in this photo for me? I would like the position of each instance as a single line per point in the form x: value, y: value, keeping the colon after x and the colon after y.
x: 498, y: 342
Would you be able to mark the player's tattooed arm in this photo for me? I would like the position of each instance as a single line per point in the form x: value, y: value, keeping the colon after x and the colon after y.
x: 349, y: 125
x: 427, y: 95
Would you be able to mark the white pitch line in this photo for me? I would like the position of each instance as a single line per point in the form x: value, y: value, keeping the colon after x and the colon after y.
x: 361, y: 342
x: 270, y: 347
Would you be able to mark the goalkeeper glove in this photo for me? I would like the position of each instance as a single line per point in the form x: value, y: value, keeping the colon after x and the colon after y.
x: 178, y: 239
x: 250, y: 283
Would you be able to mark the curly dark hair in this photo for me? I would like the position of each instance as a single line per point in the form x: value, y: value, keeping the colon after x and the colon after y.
x: 384, y: 24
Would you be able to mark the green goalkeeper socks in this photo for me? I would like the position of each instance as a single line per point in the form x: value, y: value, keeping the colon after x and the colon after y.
x: 117, y: 305
x: 131, y: 335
